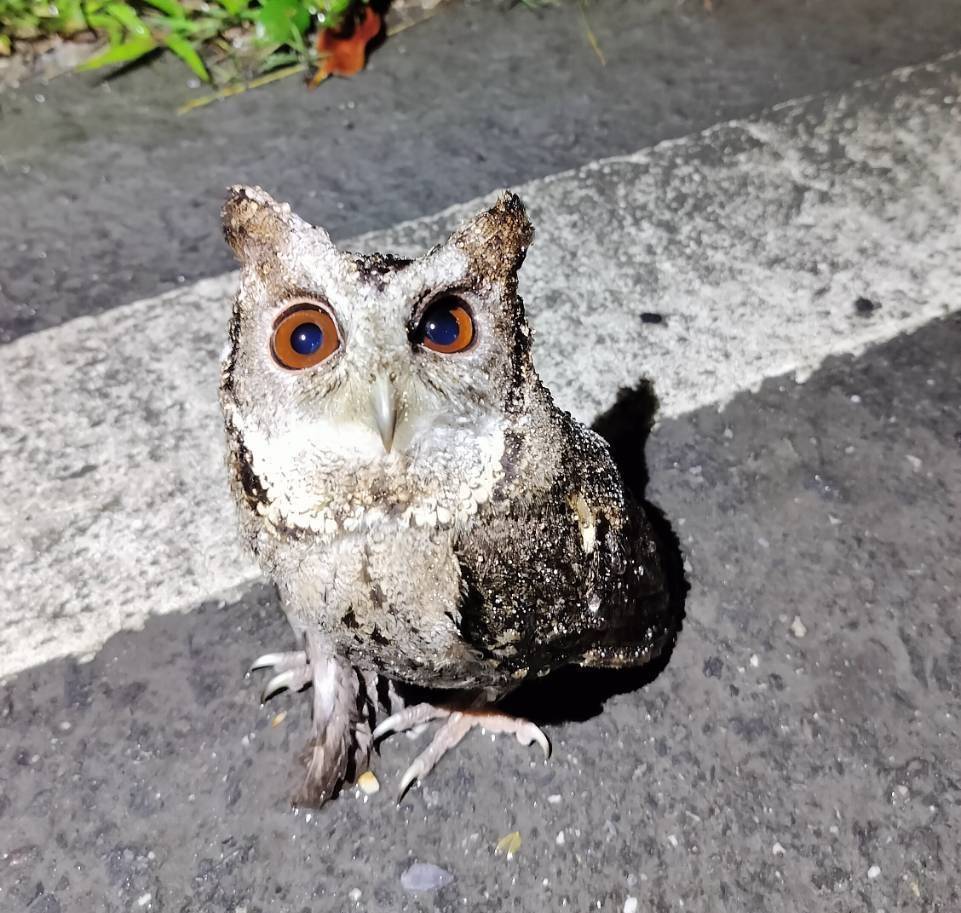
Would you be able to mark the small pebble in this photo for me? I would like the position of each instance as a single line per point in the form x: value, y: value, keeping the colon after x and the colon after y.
x: 777, y: 849
x: 755, y: 662
x: 368, y: 783
x: 914, y: 461
x: 630, y: 905
x: 798, y: 628
x: 874, y: 871
x: 355, y: 894
x: 559, y: 839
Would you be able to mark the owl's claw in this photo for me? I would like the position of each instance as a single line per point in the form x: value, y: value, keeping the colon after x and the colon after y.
x: 280, y: 662
x: 527, y: 733
x: 291, y: 680
x: 409, y: 718
x: 447, y: 737
x: 293, y: 672
x: 457, y: 724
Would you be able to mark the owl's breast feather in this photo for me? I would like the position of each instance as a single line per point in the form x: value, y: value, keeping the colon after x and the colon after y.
x: 387, y: 597
x: 327, y: 483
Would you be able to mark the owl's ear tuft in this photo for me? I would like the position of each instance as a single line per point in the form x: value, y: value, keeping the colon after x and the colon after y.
x: 497, y: 240
x: 255, y: 224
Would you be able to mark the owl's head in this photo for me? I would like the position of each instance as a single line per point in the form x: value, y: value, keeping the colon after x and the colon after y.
x: 369, y: 365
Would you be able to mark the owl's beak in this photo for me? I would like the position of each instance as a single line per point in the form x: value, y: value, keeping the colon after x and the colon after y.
x: 383, y: 404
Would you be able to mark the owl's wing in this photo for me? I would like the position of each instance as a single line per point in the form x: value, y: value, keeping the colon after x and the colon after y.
x: 643, y: 618
x: 568, y: 573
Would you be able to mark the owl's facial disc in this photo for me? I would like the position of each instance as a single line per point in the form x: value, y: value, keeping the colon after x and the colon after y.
x: 343, y: 362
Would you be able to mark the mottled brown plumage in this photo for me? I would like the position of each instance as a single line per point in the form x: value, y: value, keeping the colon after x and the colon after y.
x: 430, y: 517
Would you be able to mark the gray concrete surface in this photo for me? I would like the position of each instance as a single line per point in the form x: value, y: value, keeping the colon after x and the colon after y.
x: 762, y: 770
x: 106, y: 195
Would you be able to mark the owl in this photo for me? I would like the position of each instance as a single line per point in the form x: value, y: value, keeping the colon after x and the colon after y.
x: 430, y: 517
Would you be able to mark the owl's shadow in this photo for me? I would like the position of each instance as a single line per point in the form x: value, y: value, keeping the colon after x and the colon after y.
x: 575, y: 693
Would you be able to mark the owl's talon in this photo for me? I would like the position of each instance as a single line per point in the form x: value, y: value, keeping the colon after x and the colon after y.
x: 293, y: 672
x: 529, y: 734
x: 447, y: 737
x: 409, y: 718
x: 452, y: 731
x: 410, y: 775
x: 277, y: 684
x: 280, y: 662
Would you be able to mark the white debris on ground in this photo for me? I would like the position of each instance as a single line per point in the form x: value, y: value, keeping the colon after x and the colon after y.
x: 425, y: 876
x: 630, y: 905
x: 798, y: 628
x: 777, y: 849
x: 874, y: 871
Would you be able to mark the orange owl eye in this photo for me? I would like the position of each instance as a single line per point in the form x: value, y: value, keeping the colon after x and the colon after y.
x: 446, y: 326
x: 304, y: 336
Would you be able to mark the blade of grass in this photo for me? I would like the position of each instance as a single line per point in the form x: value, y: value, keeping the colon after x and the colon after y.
x: 170, y: 7
x: 108, y: 24
x: 591, y: 37
x: 126, y: 16
x: 122, y: 53
x: 188, y: 54
x: 230, y: 91
x: 235, y: 7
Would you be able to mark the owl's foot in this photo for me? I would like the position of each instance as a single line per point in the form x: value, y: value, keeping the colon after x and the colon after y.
x: 457, y: 723
x: 340, y: 743
x: 293, y: 672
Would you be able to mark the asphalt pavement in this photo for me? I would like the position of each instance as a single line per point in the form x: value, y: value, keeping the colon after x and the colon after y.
x: 107, y: 195
x: 799, y: 751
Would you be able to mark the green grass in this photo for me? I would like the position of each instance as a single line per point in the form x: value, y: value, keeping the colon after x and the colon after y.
x: 219, y: 40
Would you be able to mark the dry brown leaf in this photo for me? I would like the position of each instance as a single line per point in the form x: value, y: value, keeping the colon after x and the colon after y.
x: 346, y: 52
